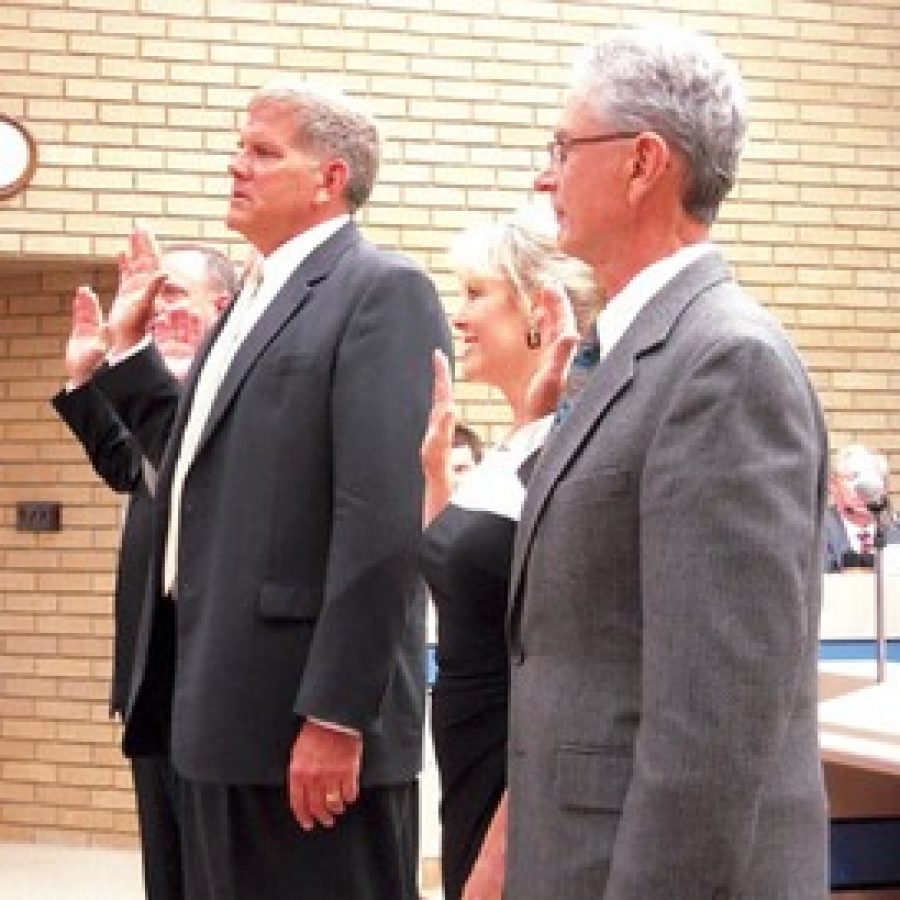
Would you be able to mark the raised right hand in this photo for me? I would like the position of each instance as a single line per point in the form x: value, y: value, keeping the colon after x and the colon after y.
x: 139, y: 281
x: 86, y: 346
x: 548, y: 383
x: 435, y: 450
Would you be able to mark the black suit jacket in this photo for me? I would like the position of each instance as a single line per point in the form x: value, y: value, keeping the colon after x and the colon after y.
x: 116, y: 458
x: 297, y: 589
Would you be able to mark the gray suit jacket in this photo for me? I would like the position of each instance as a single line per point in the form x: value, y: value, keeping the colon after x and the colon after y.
x: 665, y: 599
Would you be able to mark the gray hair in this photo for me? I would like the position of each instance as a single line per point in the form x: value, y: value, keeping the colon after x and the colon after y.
x: 852, y: 459
x: 676, y: 83
x: 331, y: 124
x: 522, y: 248
x: 218, y: 268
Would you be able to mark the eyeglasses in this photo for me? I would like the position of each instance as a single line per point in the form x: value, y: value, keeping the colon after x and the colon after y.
x: 560, y: 147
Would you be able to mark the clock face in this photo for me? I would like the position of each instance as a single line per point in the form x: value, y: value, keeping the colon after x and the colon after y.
x: 18, y: 157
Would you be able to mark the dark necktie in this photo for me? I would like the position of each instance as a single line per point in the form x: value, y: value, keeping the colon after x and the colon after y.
x: 866, y: 544
x: 586, y: 358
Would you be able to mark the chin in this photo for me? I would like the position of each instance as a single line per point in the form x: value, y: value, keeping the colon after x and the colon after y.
x: 468, y: 368
x: 236, y: 221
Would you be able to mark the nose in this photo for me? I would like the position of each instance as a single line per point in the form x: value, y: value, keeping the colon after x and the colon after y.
x: 458, y: 321
x: 237, y: 165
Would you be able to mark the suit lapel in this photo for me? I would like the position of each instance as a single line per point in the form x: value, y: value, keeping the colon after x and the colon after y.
x: 609, y: 381
x: 293, y: 296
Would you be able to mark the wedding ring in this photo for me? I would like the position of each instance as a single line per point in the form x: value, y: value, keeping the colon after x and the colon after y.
x: 333, y: 797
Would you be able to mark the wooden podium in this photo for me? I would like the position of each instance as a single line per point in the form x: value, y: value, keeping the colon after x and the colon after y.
x: 859, y: 719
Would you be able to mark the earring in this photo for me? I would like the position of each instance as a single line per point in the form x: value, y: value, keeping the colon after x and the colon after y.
x: 532, y: 337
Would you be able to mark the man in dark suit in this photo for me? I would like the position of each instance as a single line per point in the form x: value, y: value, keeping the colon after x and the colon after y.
x: 849, y: 530
x: 198, y: 282
x: 666, y: 584
x: 282, y: 646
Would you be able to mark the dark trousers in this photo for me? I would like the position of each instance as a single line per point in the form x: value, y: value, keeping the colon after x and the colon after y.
x: 154, y: 787
x: 243, y: 843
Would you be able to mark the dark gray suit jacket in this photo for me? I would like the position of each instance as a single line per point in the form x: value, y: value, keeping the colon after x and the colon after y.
x: 297, y: 585
x: 666, y: 589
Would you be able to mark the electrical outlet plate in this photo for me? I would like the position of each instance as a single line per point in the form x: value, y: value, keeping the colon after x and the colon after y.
x: 38, y: 515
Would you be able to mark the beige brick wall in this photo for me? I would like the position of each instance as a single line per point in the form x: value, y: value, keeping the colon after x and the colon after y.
x: 135, y: 104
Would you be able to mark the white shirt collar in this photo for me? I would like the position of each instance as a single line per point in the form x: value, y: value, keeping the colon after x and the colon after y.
x: 278, y: 266
x: 623, y: 308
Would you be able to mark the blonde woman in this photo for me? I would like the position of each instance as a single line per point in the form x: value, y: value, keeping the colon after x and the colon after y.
x: 516, y: 320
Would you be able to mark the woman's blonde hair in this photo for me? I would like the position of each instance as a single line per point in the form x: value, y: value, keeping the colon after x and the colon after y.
x: 522, y: 249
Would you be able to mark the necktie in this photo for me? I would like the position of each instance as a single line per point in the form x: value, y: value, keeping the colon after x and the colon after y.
x: 866, y: 542
x: 209, y: 380
x: 587, y: 355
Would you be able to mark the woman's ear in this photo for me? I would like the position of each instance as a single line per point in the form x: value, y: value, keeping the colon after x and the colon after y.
x: 552, y: 311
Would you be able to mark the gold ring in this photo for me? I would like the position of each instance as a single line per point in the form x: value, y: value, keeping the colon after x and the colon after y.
x: 333, y: 797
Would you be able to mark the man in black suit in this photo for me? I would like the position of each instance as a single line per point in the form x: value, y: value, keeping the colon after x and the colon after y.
x: 197, y: 283
x: 282, y: 647
x: 849, y: 527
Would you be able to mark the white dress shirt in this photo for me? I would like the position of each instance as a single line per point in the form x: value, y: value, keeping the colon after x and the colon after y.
x: 623, y: 308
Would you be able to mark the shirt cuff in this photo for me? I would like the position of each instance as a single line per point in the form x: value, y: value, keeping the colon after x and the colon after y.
x: 342, y: 729
x: 113, y: 359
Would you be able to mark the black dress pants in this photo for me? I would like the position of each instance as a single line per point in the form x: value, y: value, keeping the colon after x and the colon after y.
x: 154, y: 787
x: 242, y: 842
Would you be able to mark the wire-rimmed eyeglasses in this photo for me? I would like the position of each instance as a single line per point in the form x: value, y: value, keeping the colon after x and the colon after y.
x: 560, y: 147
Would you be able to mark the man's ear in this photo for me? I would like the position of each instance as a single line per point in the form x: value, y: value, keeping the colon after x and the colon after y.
x: 221, y: 302
x: 335, y: 175
x: 651, y: 161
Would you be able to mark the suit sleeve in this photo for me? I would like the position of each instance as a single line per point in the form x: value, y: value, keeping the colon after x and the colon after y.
x: 381, y: 396
x: 730, y: 511
x: 145, y: 396
x: 110, y: 446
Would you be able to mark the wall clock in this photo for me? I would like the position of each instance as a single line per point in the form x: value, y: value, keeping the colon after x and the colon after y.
x: 18, y: 157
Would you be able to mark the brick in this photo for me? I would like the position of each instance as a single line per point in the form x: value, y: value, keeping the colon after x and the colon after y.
x: 136, y: 26
x: 57, y: 245
x: 137, y: 70
x: 44, y: 41
x: 103, y: 45
x: 244, y: 54
x: 345, y: 39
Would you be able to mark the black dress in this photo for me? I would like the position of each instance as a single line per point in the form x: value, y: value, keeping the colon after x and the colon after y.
x: 465, y: 556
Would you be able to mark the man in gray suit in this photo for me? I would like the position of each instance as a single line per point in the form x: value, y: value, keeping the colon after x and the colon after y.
x: 666, y: 575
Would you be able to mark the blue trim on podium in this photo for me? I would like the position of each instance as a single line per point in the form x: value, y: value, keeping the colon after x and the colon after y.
x: 856, y: 649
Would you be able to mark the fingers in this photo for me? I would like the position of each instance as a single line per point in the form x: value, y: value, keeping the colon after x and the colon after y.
x: 442, y: 391
x: 563, y: 350
x: 142, y: 255
x: 144, y: 248
x: 86, y: 308
x: 560, y: 314
x: 323, y: 775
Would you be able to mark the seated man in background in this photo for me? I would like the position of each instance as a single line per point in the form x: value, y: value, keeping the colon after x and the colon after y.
x: 466, y: 450
x: 859, y: 476
x: 195, y: 285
